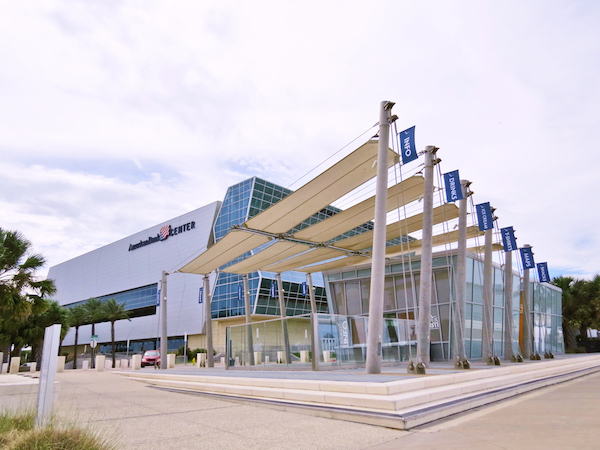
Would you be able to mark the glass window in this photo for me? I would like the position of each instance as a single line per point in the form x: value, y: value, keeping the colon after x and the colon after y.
x: 353, y: 298
x: 389, y: 297
x: 404, y: 292
x: 442, y: 286
x: 365, y: 288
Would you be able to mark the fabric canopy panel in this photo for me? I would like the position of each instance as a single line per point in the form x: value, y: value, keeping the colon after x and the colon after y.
x: 436, y: 241
x: 304, y: 259
x: 401, y: 194
x: 270, y: 255
x: 394, y: 230
x: 481, y: 248
x: 337, y: 264
x: 232, y: 245
x: 352, y: 171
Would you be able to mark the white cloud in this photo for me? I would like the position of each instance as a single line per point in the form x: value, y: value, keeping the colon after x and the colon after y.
x: 117, y: 116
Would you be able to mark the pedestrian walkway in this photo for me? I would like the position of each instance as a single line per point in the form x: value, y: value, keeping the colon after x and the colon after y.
x: 135, y: 415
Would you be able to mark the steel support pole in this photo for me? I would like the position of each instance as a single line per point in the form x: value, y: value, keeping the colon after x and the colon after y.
x: 461, y: 278
x: 527, y: 341
x: 423, y: 331
x: 508, y: 306
x: 375, y: 328
x: 311, y: 294
x: 163, y: 322
x: 488, y: 309
x: 286, y: 337
x: 248, y: 317
x: 208, y: 323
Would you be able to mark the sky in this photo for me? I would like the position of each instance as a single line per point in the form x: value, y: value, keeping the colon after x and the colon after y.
x: 118, y: 115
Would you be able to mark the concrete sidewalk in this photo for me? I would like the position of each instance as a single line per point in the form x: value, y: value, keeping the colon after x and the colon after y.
x: 135, y: 416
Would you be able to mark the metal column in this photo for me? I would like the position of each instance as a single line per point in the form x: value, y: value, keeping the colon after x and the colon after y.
x: 423, y: 331
x: 163, y: 322
x: 248, y: 318
x: 208, y: 323
x: 311, y: 294
x: 488, y: 308
x: 527, y: 332
x: 286, y: 337
x: 508, y: 306
x: 460, y: 357
x: 374, y: 340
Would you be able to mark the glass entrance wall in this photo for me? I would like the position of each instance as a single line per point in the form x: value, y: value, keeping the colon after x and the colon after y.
x: 337, y: 340
x: 349, y: 294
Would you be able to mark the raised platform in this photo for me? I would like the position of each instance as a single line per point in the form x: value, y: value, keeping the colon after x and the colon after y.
x: 20, y: 392
x: 394, y: 400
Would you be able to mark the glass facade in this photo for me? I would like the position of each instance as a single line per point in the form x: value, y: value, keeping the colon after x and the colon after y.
x: 144, y: 297
x: 242, y: 202
x: 349, y: 292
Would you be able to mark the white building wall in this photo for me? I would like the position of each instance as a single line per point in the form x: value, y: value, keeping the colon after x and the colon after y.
x: 114, y: 268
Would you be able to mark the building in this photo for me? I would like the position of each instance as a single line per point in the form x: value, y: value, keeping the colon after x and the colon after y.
x: 130, y: 269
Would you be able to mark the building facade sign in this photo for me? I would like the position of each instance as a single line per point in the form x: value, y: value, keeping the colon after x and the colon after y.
x: 163, y: 234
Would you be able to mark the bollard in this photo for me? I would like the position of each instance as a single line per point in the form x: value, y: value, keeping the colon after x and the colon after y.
x: 100, y: 359
x: 32, y: 367
x: 136, y: 362
x: 257, y: 357
x: 60, y: 364
x: 85, y: 365
x: 5, y: 367
x: 15, y: 362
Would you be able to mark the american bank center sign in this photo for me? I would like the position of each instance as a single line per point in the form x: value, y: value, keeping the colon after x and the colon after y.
x: 163, y: 234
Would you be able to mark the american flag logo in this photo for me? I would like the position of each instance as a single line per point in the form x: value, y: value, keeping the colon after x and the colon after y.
x: 165, y: 231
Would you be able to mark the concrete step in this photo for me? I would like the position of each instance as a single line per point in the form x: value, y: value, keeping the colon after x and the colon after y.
x: 399, y: 404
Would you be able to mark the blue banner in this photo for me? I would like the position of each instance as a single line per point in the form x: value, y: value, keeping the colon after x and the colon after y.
x: 543, y: 272
x: 273, y: 290
x: 527, y: 258
x: 158, y: 298
x: 304, y: 289
x: 407, y: 145
x: 240, y: 293
x: 200, y: 295
x: 453, y: 189
x: 508, y: 239
x: 484, y: 216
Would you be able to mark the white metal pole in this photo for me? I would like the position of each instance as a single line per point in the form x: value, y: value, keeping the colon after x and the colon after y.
x: 375, y: 328
x: 311, y: 294
x: 248, y: 318
x: 208, y: 323
x: 461, y: 278
x: 526, y: 350
x: 423, y: 331
x: 163, y: 321
x: 286, y: 337
x: 508, y: 306
x: 488, y: 309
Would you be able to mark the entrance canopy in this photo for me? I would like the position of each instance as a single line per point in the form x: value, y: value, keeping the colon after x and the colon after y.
x: 321, y: 246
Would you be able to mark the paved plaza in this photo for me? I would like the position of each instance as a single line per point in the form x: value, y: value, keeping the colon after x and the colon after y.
x: 134, y: 415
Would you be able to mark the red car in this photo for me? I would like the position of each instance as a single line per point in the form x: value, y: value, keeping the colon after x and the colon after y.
x: 151, y: 358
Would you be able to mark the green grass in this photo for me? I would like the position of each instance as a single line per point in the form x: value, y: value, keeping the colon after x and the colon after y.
x: 18, y: 432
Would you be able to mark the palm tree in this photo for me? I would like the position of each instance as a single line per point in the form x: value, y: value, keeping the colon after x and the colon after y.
x: 95, y: 312
x: 21, y: 292
x: 78, y: 316
x: 114, y: 311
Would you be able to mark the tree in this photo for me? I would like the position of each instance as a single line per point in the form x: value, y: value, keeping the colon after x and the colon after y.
x: 95, y: 311
x: 78, y: 316
x: 33, y: 330
x: 580, y: 307
x: 21, y: 292
x: 114, y: 311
